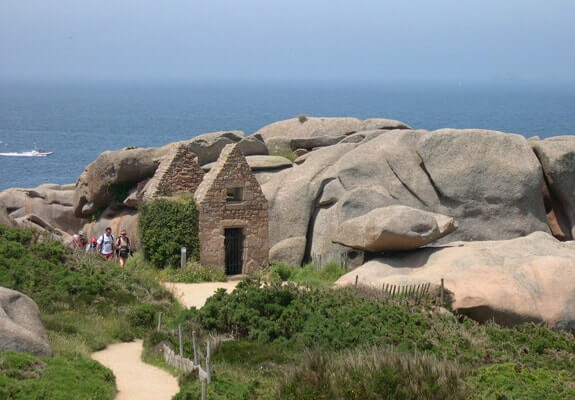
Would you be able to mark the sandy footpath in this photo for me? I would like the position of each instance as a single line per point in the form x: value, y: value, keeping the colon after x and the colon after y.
x: 135, y: 379
x: 196, y: 294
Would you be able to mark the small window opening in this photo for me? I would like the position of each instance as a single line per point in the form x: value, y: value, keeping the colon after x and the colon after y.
x: 234, y: 194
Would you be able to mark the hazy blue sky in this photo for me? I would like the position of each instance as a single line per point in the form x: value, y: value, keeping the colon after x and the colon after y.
x: 531, y: 40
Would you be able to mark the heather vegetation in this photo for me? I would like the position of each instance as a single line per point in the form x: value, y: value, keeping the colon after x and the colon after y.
x: 283, y: 334
x: 295, y: 342
x: 85, y: 304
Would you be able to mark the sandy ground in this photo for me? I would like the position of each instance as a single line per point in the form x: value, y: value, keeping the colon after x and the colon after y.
x: 135, y: 379
x: 196, y: 294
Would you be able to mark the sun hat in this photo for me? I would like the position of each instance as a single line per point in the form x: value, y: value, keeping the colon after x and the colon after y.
x: 123, y: 232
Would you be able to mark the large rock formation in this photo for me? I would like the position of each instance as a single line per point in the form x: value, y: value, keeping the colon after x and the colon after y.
x: 557, y: 156
x: 393, y: 228
x: 525, y: 279
x: 308, y: 127
x: 489, y: 182
x: 110, y: 177
x: 20, y: 326
x: 208, y: 146
x: 47, y: 207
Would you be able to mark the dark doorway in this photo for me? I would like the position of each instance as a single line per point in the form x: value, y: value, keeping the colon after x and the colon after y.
x: 234, y: 243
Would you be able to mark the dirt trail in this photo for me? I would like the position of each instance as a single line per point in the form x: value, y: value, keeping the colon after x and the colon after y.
x: 135, y: 379
x: 196, y: 294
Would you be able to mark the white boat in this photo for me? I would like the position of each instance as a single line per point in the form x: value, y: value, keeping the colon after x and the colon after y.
x: 33, y: 153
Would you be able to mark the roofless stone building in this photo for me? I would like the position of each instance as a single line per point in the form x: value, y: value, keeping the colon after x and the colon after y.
x: 233, y: 216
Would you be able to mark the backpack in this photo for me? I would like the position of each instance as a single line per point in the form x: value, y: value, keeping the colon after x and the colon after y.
x: 101, y: 241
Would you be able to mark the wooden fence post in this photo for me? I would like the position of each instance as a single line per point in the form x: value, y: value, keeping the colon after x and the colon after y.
x: 180, y: 340
x: 195, y: 344
x: 441, y: 293
x: 356, y: 279
x: 159, y: 322
x: 203, y: 390
x: 208, y: 361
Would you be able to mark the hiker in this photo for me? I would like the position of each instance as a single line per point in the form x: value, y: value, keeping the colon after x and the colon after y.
x: 105, y: 244
x: 79, y: 241
x: 123, y: 247
x: 92, y: 247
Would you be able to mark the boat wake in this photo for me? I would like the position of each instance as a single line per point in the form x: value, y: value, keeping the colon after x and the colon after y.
x: 33, y: 153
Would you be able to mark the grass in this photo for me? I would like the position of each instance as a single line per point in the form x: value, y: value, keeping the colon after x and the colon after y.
x: 307, y: 275
x: 290, y: 155
x: 85, y: 304
x: 23, y: 376
x: 373, y: 373
x: 193, y: 272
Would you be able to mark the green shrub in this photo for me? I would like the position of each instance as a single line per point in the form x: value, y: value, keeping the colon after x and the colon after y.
x: 515, y: 381
x: 283, y: 271
x: 142, y: 315
x: 165, y: 227
x: 302, y: 118
x: 332, y: 319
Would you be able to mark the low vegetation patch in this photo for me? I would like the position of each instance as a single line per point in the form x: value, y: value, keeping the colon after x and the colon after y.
x: 23, y: 376
x: 290, y: 155
x: 308, y: 275
x: 193, y: 272
x: 85, y: 304
x: 298, y: 342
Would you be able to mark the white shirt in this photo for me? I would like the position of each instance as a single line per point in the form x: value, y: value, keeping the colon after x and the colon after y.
x: 106, y: 243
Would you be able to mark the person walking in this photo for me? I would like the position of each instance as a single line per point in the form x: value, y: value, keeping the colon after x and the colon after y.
x: 92, y: 247
x: 79, y: 241
x: 106, y: 244
x: 123, y: 247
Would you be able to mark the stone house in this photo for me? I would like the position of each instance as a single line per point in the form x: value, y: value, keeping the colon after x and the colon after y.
x: 178, y: 172
x: 233, y: 216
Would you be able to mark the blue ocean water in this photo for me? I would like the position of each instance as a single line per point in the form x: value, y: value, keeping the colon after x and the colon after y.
x: 79, y: 121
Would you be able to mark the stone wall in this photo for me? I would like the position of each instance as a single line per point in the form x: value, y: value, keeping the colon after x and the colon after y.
x: 216, y: 213
x: 178, y: 172
x: 183, y: 173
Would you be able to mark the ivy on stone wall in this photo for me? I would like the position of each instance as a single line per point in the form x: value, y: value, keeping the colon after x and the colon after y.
x: 165, y: 227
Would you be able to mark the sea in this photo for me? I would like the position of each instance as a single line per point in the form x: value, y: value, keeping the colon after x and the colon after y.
x: 79, y: 120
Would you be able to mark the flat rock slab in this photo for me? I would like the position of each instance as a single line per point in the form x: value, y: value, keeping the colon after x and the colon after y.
x: 134, y: 378
x: 531, y: 278
x: 393, y: 228
x: 196, y: 294
x: 258, y: 163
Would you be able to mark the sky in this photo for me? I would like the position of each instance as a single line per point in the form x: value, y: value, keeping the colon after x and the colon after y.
x: 282, y: 40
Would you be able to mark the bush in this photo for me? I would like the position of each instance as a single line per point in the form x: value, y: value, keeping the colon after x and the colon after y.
x: 165, y: 227
x: 515, y: 381
x: 142, y: 315
x: 331, y: 319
